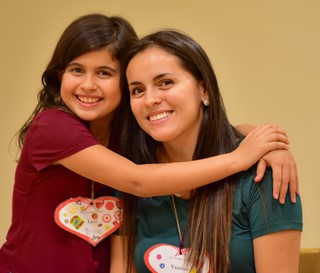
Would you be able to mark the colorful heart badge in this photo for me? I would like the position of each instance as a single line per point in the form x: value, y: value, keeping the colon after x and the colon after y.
x: 165, y: 258
x: 90, y: 219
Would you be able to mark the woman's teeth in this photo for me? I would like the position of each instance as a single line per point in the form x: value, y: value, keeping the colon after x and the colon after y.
x: 159, y: 116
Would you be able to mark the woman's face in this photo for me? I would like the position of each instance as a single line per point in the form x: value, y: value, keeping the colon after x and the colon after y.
x: 165, y: 98
x: 90, y: 86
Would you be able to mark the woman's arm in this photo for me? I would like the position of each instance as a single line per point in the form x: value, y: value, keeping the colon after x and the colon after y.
x: 284, y: 168
x: 277, y: 252
x: 117, y: 262
x: 276, y: 228
x: 104, y: 166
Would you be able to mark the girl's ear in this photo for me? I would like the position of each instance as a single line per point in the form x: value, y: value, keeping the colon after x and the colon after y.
x: 60, y: 75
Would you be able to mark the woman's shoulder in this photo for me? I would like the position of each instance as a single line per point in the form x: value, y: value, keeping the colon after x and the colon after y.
x: 249, y: 191
x: 249, y: 194
x: 254, y: 202
x: 246, y: 185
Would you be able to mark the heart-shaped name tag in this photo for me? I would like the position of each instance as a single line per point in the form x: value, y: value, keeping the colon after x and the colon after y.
x: 91, y: 219
x: 165, y: 258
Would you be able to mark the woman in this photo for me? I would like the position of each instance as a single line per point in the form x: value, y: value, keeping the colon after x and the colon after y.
x: 231, y: 226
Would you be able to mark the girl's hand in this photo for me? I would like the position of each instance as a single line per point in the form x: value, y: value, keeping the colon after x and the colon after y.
x: 285, y: 173
x: 259, y: 142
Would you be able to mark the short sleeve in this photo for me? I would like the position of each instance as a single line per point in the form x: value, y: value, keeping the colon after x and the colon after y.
x: 266, y: 214
x: 55, y: 134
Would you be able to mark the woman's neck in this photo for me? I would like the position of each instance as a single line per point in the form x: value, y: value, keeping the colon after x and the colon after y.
x: 173, y: 153
x: 177, y: 150
x: 168, y: 154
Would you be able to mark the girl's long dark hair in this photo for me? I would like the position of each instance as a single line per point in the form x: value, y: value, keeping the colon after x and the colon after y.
x: 86, y: 33
x: 210, y: 209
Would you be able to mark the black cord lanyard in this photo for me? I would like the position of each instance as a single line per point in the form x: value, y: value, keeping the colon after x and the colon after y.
x: 178, y: 225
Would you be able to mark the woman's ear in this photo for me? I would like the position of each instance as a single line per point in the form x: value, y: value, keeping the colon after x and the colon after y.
x: 204, y: 94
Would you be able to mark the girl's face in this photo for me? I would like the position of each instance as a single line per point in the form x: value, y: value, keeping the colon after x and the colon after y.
x: 90, y: 86
x: 165, y: 98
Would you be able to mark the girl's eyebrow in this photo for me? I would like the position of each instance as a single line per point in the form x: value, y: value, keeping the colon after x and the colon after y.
x: 99, y: 67
x: 107, y: 67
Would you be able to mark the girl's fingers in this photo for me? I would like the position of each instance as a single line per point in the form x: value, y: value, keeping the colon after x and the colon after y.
x: 261, y: 169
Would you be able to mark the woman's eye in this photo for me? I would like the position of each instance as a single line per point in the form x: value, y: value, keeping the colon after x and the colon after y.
x: 165, y: 83
x: 136, y: 91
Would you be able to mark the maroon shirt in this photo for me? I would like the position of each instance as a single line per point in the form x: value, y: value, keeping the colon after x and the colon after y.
x: 35, y: 243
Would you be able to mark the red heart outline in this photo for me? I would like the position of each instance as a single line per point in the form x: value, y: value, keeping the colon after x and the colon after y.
x: 175, y: 252
x: 73, y: 223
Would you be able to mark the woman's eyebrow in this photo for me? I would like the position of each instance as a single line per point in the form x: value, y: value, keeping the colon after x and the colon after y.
x: 157, y: 77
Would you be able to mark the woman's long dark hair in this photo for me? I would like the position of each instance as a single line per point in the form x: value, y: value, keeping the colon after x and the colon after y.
x: 86, y: 33
x: 210, y: 209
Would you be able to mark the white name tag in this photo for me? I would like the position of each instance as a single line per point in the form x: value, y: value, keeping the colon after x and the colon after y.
x: 165, y: 258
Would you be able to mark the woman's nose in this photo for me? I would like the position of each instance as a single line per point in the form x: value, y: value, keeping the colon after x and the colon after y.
x: 152, y: 97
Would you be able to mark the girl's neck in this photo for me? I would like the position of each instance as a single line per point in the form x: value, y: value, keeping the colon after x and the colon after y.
x: 101, y: 131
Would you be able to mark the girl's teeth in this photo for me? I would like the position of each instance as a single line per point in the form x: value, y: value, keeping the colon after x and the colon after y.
x: 88, y: 100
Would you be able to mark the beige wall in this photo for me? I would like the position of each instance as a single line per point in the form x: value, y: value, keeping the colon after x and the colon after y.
x: 266, y: 56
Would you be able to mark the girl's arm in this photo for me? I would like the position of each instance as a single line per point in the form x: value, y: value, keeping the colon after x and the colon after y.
x: 116, y: 255
x: 284, y: 168
x: 117, y: 262
x: 245, y: 129
x: 102, y: 165
x: 277, y: 252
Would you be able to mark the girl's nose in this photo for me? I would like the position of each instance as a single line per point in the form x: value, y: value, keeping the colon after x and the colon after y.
x: 89, y: 83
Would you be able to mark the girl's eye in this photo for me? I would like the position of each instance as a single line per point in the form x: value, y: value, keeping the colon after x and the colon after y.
x: 75, y: 70
x: 104, y: 73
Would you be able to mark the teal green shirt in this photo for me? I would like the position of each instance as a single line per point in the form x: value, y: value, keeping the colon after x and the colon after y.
x: 255, y: 213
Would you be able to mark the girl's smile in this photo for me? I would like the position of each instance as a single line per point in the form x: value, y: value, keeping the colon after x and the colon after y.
x: 90, y: 86
x: 88, y: 100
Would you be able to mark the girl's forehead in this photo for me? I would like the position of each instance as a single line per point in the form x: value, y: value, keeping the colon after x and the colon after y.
x: 97, y: 52
x: 97, y: 57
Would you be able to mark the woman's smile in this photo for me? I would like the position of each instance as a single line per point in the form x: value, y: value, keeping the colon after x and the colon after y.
x: 165, y: 98
x: 160, y: 116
